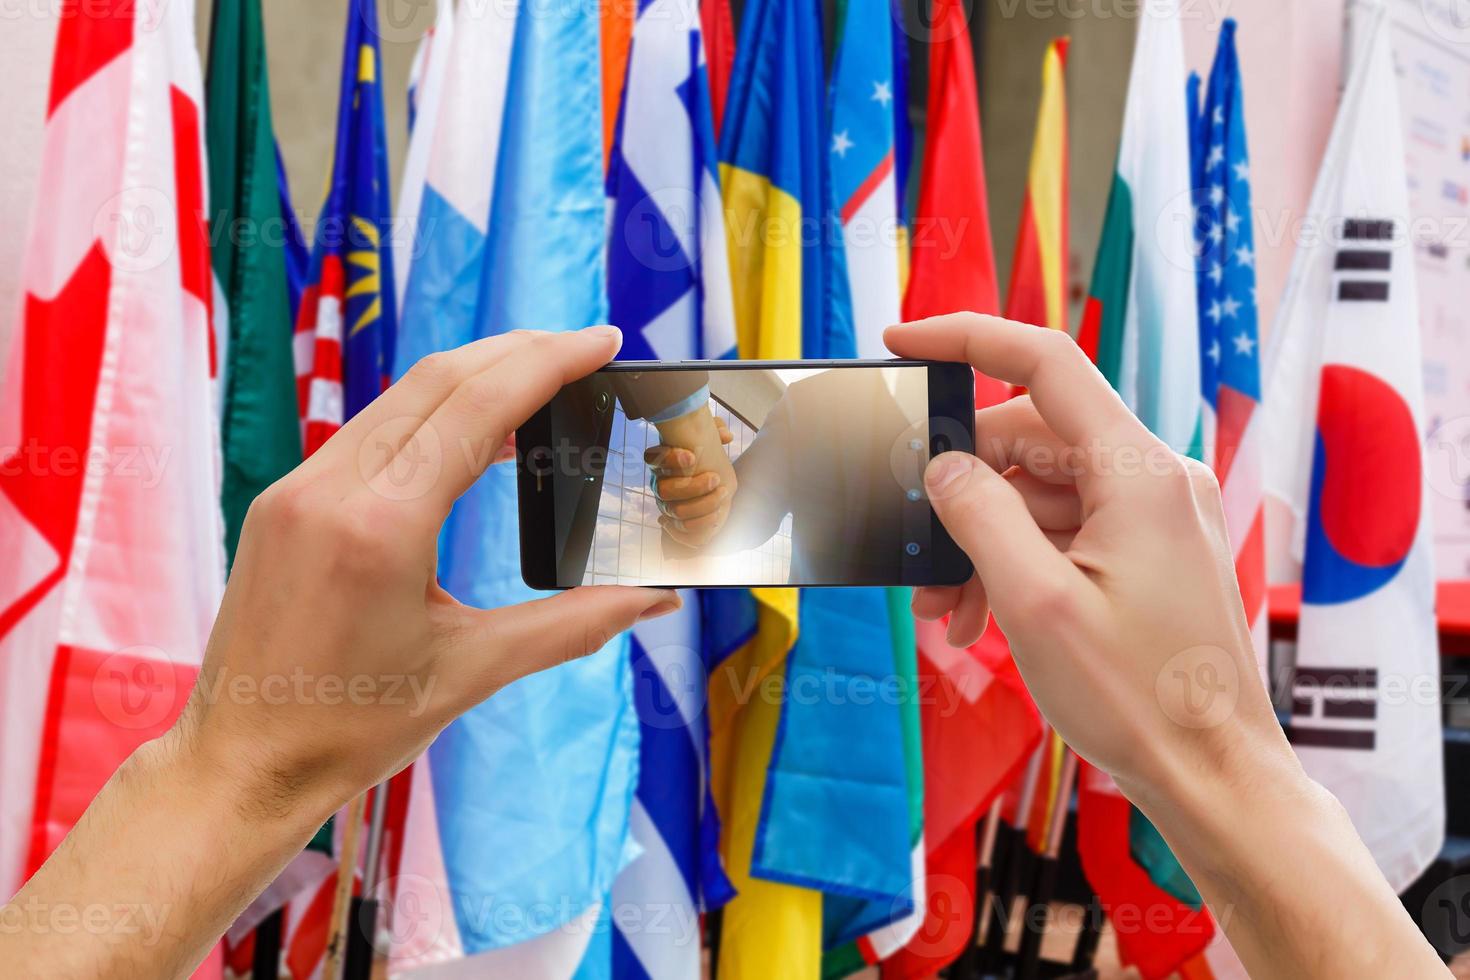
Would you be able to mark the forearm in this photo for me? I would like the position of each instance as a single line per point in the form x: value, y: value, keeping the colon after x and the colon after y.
x: 1285, y: 874
x: 170, y: 852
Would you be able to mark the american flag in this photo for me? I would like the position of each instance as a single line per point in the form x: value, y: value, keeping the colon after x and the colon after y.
x: 1230, y: 369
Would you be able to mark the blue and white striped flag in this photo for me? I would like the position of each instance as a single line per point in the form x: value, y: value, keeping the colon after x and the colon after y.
x: 518, y: 822
x: 669, y: 291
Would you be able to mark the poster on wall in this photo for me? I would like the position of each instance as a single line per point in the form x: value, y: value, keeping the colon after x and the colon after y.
x: 1432, y: 56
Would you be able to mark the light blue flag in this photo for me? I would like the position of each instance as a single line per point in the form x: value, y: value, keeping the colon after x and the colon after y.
x: 532, y: 789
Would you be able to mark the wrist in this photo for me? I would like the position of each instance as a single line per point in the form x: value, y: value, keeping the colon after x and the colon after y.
x: 1228, y: 815
x: 237, y: 786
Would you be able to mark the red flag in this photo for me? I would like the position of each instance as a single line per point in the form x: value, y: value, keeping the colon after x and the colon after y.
x: 979, y: 728
x: 718, y: 28
x: 952, y: 263
x: 1038, y: 292
x: 109, y: 502
x: 1156, y: 932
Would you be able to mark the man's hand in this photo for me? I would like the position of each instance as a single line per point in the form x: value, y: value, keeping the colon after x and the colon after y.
x: 336, y: 573
x: 352, y: 655
x: 1105, y: 558
x: 693, y: 500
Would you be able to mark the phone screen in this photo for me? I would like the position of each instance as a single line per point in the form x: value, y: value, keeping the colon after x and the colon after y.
x: 741, y: 475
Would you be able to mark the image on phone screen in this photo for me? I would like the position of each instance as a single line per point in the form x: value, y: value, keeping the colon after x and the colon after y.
x: 722, y: 477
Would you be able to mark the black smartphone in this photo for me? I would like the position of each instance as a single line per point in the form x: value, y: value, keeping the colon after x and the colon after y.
x: 742, y: 474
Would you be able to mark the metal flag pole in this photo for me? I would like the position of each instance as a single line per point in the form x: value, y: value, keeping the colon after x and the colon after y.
x: 1012, y: 860
x: 364, y: 907
x: 971, y: 964
x: 342, y: 900
x: 1028, y: 960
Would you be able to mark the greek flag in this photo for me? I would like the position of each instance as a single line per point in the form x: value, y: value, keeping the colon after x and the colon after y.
x: 669, y: 291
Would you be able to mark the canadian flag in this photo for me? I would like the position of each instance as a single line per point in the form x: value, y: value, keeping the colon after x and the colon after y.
x: 109, y: 509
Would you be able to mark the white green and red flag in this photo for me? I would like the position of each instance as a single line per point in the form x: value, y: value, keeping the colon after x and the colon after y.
x: 109, y: 458
x: 1141, y: 309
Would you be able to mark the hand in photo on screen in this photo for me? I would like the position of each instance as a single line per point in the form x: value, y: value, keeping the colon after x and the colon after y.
x: 694, y: 500
x: 334, y: 595
x: 821, y: 456
x: 1104, y: 557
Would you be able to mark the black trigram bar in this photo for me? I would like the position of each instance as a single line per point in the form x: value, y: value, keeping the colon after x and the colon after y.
x: 1336, y: 706
x: 1336, y: 676
x: 1339, y: 693
x: 1368, y: 229
x: 1364, y: 260
x: 1329, y: 738
x: 1359, y: 291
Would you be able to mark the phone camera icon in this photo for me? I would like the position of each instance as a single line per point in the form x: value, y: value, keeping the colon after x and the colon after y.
x: 940, y: 445
x: 604, y: 403
x: 912, y: 549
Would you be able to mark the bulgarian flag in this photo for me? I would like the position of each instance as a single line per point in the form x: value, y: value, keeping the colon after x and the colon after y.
x: 109, y: 501
x: 1142, y: 304
x: 1141, y: 327
x: 1038, y: 292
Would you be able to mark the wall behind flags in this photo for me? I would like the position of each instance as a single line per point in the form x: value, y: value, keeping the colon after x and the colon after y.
x: 1291, y: 56
x: 304, y: 47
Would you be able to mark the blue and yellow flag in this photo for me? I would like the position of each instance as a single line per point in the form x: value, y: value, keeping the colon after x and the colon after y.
x: 348, y: 323
x: 775, y: 202
x: 791, y: 297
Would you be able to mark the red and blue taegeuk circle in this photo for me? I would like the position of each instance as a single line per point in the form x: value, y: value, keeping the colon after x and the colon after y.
x: 1366, y: 487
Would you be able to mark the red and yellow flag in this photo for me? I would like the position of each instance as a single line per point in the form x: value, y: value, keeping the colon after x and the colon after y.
x: 1038, y: 291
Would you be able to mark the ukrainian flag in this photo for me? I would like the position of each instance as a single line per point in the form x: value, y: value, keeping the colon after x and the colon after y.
x: 782, y: 274
x: 791, y: 300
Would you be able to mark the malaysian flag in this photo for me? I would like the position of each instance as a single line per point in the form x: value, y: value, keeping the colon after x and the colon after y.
x: 1230, y: 362
x: 348, y: 321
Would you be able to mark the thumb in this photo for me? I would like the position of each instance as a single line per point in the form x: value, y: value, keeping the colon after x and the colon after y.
x: 498, y: 646
x: 988, y: 519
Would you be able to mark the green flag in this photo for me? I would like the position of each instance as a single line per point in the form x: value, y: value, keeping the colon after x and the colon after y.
x: 261, y: 432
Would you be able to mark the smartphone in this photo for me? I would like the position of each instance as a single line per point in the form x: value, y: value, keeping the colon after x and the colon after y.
x: 743, y: 474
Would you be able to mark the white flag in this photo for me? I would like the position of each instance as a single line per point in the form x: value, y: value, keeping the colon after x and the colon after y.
x: 1343, y: 423
x: 1159, y: 376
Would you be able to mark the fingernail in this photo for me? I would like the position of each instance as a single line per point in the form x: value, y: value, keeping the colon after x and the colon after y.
x: 672, y: 603
x: 946, y: 471
x: 607, y: 333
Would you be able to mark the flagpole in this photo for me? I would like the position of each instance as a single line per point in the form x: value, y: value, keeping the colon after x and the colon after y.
x: 341, y: 902
x: 363, y: 916
x: 1044, y: 884
x: 1011, y: 842
x: 971, y: 962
